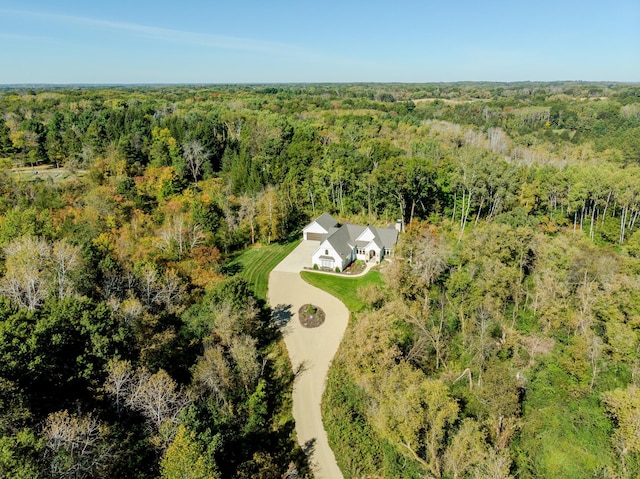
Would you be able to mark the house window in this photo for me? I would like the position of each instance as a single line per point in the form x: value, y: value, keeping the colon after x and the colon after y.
x: 326, y: 251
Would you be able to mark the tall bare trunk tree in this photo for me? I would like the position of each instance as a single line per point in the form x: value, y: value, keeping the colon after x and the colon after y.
x: 194, y: 155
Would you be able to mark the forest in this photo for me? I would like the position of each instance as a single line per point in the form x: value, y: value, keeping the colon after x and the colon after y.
x: 503, y: 344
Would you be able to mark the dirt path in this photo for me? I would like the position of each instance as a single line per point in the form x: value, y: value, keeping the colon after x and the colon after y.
x: 310, y: 350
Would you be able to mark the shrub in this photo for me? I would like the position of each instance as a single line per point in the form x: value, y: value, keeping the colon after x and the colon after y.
x: 315, y: 266
x: 337, y: 269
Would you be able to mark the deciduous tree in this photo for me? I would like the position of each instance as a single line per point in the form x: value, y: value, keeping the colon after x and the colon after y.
x: 245, y: 355
x: 185, y: 459
x: 78, y: 445
x: 66, y: 261
x: 624, y: 406
x: 194, y: 155
x: 27, y: 281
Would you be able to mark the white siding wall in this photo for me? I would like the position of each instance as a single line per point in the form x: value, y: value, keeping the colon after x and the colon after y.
x: 326, y: 249
x: 313, y: 228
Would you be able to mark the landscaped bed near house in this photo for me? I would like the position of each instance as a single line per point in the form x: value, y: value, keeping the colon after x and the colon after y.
x: 356, y: 267
x: 343, y: 287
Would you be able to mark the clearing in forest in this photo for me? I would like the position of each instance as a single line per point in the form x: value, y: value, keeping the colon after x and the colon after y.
x: 44, y: 172
x: 255, y: 264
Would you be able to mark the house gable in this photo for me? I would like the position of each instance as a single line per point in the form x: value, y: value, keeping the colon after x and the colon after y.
x: 319, y: 228
x: 374, y: 245
x: 342, y: 240
x: 327, y: 257
x: 383, y: 238
x: 367, y: 235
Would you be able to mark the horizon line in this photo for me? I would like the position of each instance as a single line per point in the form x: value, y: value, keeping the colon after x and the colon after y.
x: 355, y: 82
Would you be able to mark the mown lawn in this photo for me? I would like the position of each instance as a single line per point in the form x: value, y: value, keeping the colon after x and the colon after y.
x: 256, y: 263
x: 343, y: 288
x: 44, y: 172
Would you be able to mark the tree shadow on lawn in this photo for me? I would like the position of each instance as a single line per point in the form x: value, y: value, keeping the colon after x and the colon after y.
x: 231, y: 269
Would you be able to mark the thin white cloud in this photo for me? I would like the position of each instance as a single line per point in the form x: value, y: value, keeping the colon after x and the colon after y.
x: 167, y: 34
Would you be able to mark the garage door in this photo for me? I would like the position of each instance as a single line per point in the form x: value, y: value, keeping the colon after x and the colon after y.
x: 315, y: 236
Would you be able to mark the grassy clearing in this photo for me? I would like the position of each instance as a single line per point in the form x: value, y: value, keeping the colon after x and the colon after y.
x: 343, y: 288
x: 44, y: 172
x: 255, y: 264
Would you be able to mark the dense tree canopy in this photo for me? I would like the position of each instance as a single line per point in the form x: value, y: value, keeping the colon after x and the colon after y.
x: 504, y: 345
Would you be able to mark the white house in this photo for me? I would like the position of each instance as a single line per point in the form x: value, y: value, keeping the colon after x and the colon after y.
x: 319, y: 228
x: 341, y: 245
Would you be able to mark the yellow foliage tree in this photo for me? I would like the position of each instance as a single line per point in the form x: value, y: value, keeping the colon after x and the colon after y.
x: 624, y: 407
x: 158, y: 182
x: 183, y: 459
x: 415, y: 412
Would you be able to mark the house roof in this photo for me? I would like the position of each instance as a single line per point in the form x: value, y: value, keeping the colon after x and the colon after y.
x: 343, y: 239
x: 325, y: 220
x: 388, y: 236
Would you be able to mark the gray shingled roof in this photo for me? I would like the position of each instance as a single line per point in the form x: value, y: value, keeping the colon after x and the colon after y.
x: 326, y: 221
x: 343, y: 239
x: 388, y: 236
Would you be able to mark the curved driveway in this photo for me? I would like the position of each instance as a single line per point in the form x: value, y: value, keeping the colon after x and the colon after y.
x: 310, y: 350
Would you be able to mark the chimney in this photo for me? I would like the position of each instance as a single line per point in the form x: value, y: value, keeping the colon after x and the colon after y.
x: 400, y: 226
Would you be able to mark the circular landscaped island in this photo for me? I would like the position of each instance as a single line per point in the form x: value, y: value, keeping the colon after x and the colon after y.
x: 311, y: 316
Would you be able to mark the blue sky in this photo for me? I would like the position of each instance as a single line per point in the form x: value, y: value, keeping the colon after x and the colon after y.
x: 324, y: 41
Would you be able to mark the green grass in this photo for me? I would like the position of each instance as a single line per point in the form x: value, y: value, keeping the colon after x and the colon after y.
x: 343, y: 288
x: 44, y: 172
x: 256, y: 263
